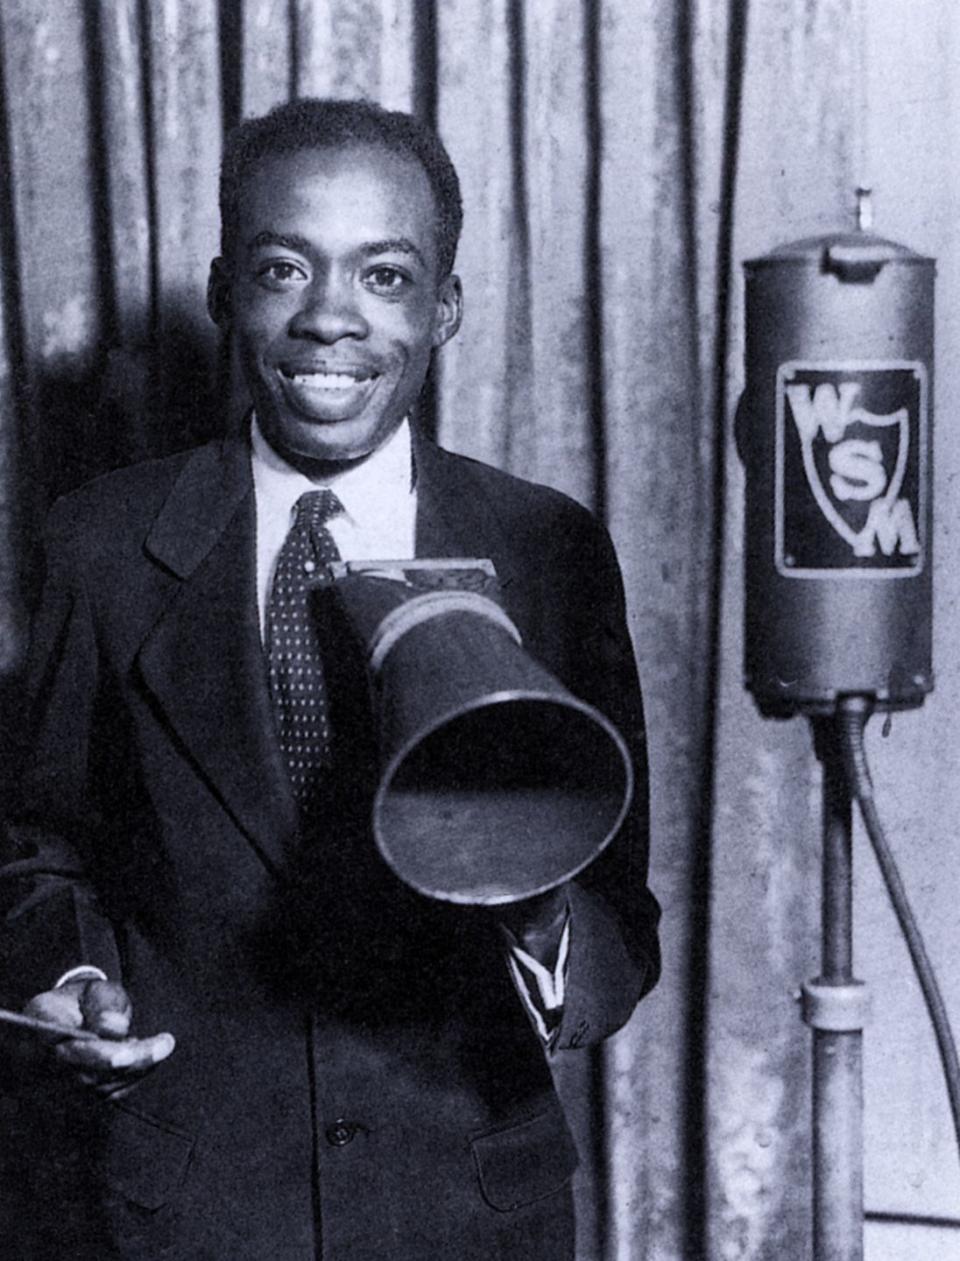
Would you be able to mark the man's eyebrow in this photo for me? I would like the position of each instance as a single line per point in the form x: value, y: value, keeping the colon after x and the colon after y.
x: 395, y: 245
x: 287, y: 240
x: 291, y: 241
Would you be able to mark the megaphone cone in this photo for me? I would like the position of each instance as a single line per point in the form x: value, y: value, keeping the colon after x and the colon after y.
x: 496, y: 782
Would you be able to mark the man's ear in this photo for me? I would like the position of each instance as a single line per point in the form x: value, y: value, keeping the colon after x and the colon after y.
x: 218, y: 293
x: 449, y: 310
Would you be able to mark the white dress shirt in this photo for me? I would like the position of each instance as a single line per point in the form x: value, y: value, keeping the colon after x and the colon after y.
x: 378, y: 496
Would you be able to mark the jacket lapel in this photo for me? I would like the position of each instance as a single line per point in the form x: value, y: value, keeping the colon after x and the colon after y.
x: 203, y: 660
x: 455, y: 518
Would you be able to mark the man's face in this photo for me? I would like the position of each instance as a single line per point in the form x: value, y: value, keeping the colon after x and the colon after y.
x: 332, y: 292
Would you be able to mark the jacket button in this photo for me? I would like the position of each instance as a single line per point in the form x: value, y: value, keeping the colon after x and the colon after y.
x: 340, y: 1133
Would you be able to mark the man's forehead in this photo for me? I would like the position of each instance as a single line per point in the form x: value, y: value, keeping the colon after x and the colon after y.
x: 381, y: 195
x: 393, y: 169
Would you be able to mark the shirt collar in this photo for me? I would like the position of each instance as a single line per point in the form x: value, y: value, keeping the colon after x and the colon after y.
x: 384, y: 478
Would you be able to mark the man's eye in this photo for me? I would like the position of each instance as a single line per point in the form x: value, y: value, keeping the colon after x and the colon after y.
x: 281, y: 273
x: 387, y: 279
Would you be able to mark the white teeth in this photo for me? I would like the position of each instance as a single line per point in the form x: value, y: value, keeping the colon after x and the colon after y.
x: 325, y: 380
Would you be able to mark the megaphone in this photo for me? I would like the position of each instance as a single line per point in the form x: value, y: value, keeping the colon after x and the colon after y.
x: 496, y: 783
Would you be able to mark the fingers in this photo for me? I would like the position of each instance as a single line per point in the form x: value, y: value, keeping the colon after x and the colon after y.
x: 112, y: 1062
x: 106, y: 1009
x: 108, y: 1058
x: 60, y: 1006
x: 113, y: 1067
x: 101, y: 1006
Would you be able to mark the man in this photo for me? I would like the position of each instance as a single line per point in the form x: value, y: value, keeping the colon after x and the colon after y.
x: 351, y: 1070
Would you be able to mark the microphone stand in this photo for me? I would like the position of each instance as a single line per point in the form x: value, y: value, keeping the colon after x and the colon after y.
x: 836, y: 1007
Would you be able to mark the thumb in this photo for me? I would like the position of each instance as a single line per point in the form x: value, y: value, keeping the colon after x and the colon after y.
x: 106, y: 1009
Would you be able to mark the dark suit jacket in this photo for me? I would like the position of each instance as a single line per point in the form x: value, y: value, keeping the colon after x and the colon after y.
x: 355, y: 1076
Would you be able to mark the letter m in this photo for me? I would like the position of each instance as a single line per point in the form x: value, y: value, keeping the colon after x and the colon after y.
x: 888, y: 527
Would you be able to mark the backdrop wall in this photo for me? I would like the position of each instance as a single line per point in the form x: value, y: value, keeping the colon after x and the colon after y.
x: 620, y: 158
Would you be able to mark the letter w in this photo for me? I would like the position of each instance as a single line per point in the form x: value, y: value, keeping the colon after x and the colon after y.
x: 824, y: 407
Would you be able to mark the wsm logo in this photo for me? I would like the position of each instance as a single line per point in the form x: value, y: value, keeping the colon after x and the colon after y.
x: 849, y: 468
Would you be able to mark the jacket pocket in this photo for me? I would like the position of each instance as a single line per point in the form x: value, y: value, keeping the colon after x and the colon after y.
x: 525, y: 1162
x: 145, y: 1160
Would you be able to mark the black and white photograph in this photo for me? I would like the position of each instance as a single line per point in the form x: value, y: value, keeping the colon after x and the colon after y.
x: 479, y: 698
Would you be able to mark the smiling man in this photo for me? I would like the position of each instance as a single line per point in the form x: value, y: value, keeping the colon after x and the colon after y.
x: 280, y: 1050
x: 332, y: 285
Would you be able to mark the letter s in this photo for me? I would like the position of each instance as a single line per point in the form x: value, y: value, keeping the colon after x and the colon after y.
x: 857, y: 470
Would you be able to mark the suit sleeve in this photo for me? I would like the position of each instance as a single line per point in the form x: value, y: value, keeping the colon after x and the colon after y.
x: 614, y: 954
x: 51, y: 918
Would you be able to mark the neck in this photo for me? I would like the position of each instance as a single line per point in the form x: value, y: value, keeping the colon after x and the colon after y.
x: 326, y: 472
x: 321, y: 470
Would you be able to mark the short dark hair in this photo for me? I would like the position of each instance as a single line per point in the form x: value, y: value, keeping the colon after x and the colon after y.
x: 312, y: 123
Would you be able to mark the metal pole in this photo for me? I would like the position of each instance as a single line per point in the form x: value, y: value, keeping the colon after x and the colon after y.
x: 836, y: 1006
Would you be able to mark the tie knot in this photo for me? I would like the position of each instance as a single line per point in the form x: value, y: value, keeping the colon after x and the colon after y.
x: 316, y: 507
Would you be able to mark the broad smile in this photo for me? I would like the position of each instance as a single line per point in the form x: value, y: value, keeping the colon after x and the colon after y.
x: 327, y: 393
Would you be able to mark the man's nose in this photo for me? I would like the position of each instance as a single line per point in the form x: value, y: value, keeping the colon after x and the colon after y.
x: 329, y: 311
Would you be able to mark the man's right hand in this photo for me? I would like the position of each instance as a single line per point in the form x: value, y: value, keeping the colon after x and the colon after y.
x: 113, y: 1062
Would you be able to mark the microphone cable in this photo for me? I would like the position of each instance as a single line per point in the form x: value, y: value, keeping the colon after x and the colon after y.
x: 852, y: 715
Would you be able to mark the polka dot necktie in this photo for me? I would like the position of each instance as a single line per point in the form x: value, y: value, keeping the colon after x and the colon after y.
x: 296, y: 670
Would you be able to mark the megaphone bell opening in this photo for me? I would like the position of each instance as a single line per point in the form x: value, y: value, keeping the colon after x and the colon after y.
x: 503, y: 801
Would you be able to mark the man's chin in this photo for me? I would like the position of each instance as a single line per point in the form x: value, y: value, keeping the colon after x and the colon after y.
x: 310, y: 442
